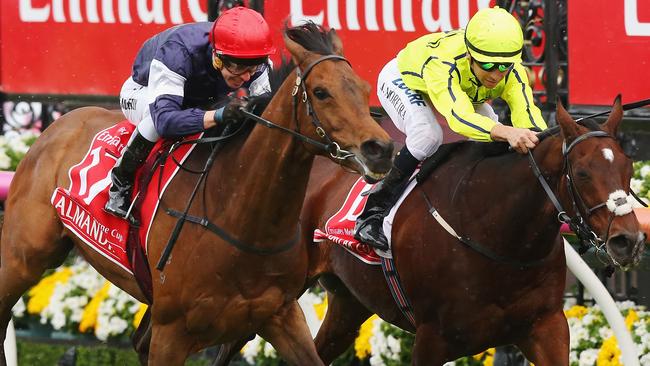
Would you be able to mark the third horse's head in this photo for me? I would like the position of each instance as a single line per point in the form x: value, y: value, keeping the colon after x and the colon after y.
x: 331, y: 103
x: 596, y: 180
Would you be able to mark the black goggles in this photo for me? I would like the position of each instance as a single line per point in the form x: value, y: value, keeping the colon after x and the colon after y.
x: 491, y: 66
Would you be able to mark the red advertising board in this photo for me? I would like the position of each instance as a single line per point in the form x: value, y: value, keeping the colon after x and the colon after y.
x: 374, y: 31
x: 609, y: 50
x: 81, y: 47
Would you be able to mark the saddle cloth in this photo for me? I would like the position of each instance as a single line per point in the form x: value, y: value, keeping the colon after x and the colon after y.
x: 81, y: 206
x: 340, y: 227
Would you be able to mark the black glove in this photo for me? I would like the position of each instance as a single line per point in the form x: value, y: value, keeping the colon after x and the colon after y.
x: 232, y: 112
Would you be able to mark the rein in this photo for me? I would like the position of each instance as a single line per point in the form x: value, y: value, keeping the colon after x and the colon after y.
x: 330, y: 146
x: 578, y: 224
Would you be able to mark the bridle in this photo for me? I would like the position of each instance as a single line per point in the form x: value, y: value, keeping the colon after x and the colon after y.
x: 578, y: 224
x: 330, y: 146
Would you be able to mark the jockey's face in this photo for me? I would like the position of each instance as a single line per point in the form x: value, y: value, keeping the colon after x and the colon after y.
x: 490, y: 78
x: 235, y: 75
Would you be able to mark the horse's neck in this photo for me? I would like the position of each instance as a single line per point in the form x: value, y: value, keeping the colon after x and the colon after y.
x: 526, y: 216
x: 270, y: 174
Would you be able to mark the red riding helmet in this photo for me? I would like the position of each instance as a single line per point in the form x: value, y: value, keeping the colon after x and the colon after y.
x: 241, y: 33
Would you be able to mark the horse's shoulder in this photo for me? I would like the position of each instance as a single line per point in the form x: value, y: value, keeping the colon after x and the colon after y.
x: 460, y: 153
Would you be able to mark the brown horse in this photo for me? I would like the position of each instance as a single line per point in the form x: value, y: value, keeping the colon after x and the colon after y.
x: 210, y: 291
x: 464, y: 301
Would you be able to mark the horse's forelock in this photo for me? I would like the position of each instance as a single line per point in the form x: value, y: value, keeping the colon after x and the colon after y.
x: 312, y: 37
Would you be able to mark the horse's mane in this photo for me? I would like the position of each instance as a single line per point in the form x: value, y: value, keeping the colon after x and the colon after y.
x: 482, y: 150
x: 310, y: 36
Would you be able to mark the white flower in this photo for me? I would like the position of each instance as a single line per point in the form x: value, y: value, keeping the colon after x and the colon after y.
x: 588, y: 357
x: 636, y: 184
x: 19, y: 309
x: 252, y: 349
x: 645, y: 360
x: 5, y: 160
x: 269, y: 351
x: 645, y: 170
x: 605, y: 332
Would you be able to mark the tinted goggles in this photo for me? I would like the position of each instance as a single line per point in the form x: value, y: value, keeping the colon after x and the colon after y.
x: 491, y: 66
x: 238, y: 70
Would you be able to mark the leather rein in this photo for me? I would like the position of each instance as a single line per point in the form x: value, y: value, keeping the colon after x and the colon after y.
x: 329, y: 146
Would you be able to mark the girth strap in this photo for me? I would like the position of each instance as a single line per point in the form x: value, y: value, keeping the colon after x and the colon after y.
x: 395, y: 286
x: 244, y: 247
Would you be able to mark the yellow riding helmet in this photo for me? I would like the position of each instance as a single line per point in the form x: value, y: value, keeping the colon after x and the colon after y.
x: 494, y: 35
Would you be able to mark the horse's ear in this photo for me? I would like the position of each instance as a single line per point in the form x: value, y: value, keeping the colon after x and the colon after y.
x: 336, y: 42
x: 298, y: 52
x: 615, y: 117
x: 568, y: 126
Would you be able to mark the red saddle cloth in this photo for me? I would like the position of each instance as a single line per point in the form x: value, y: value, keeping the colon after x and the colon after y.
x: 81, y: 205
x: 340, y: 227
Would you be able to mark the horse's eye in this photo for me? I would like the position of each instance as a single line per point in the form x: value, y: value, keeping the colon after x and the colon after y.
x: 321, y: 93
x: 582, y: 174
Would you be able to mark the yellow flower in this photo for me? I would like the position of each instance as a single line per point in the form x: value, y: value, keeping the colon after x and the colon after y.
x: 320, y: 309
x: 487, y: 356
x: 362, y: 347
x: 609, y: 354
x: 137, y: 318
x: 576, y: 311
x: 39, y: 295
x: 631, y: 318
x: 89, y: 316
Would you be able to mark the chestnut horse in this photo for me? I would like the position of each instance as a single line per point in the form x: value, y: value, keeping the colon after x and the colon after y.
x: 464, y: 301
x: 212, y: 292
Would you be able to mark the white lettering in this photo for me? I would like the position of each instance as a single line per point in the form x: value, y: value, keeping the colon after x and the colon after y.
x: 195, y: 10
x: 124, y: 12
x: 331, y: 14
x: 633, y: 27
x: 57, y: 11
x: 298, y: 15
x: 75, y: 11
x: 388, y: 16
x: 153, y: 14
x: 27, y: 13
x: 351, y: 15
x: 371, y: 15
x: 149, y: 11
x: 407, y: 16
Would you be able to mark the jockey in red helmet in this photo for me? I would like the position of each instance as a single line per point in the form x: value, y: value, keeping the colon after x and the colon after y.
x: 180, y: 71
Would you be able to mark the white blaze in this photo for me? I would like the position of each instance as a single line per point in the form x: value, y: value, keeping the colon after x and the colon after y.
x: 608, y: 154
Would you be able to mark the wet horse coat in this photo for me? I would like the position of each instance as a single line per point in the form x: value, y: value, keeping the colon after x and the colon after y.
x: 463, y: 301
x: 210, y: 292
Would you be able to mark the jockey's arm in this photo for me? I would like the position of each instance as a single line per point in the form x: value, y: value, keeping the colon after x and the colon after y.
x: 519, y: 96
x: 167, y: 76
x: 443, y: 88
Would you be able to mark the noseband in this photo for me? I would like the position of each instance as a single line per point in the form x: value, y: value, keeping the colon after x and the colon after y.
x: 618, y: 203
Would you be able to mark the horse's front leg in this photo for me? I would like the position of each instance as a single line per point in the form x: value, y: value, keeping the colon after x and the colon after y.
x: 430, y: 348
x: 287, y: 331
x: 548, y: 341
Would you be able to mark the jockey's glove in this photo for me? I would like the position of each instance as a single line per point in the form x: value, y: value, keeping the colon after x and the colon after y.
x: 231, y: 112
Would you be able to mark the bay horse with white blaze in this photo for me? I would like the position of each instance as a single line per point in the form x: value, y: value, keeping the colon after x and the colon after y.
x: 210, y: 291
x: 510, y: 290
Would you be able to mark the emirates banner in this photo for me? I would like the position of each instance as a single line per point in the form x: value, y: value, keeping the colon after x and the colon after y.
x: 373, y: 31
x: 609, y: 50
x: 82, y: 47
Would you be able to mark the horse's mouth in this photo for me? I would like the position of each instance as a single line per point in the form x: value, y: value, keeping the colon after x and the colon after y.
x: 626, y: 251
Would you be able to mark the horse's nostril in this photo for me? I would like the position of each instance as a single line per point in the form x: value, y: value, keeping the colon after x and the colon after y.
x: 376, y: 149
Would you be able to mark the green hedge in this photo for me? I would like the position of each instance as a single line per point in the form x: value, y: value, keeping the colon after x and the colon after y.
x: 41, y: 354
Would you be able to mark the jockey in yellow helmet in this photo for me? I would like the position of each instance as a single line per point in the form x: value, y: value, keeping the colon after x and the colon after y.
x: 455, y: 73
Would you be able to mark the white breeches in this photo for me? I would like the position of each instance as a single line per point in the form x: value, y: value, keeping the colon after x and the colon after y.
x: 412, y: 112
x: 134, y: 101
